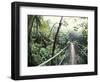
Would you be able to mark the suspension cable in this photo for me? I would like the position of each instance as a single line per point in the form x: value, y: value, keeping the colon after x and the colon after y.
x: 53, y: 56
x: 80, y: 44
x: 81, y: 50
x: 62, y: 60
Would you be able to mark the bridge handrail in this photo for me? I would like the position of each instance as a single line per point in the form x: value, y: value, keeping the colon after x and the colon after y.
x: 80, y: 44
x: 82, y: 50
x: 53, y: 56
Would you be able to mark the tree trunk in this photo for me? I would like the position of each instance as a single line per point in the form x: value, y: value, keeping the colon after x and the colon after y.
x: 55, y: 39
x: 30, y: 24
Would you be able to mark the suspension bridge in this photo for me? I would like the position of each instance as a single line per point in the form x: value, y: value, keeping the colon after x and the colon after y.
x: 70, y: 56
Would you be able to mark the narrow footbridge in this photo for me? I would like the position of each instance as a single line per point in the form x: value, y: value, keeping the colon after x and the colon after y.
x: 70, y: 56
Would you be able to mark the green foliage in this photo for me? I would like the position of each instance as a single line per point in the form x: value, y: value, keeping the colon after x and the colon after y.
x: 41, y: 39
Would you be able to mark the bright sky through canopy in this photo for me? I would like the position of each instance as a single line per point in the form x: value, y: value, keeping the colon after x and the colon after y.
x: 68, y: 22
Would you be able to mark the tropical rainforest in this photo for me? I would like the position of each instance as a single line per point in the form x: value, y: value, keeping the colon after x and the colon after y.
x: 57, y: 40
